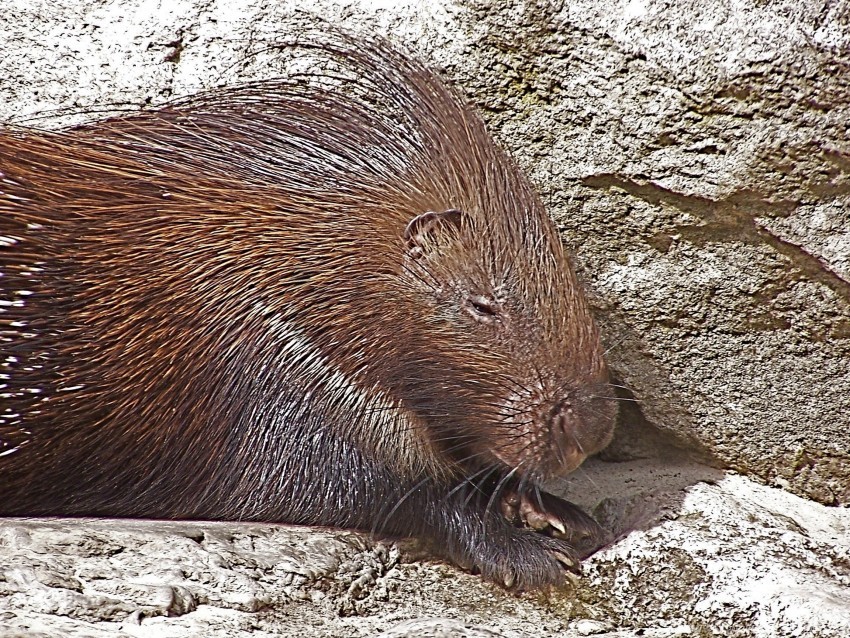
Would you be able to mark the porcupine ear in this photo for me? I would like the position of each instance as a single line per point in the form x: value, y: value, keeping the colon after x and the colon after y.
x: 422, y: 229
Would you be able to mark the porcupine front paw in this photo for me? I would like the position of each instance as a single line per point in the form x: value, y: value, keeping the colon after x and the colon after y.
x: 517, y: 558
x: 546, y: 513
x: 530, y: 544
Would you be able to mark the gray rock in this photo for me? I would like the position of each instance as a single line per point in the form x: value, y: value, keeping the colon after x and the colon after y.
x: 696, y: 155
x: 726, y: 556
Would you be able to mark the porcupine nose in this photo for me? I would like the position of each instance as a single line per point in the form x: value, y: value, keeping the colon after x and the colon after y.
x: 564, y: 425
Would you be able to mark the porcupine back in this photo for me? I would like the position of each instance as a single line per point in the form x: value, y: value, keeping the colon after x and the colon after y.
x: 207, y: 302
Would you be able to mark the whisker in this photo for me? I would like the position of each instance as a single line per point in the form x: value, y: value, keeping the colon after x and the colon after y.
x: 497, y: 491
x: 399, y: 502
x: 634, y: 400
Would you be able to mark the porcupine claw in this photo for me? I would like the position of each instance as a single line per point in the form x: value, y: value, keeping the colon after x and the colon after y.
x: 571, y: 564
x: 546, y: 513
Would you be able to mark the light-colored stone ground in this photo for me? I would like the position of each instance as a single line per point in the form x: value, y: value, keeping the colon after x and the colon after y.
x: 724, y: 557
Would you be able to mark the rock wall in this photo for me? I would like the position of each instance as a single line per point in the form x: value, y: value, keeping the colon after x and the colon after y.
x: 695, y: 154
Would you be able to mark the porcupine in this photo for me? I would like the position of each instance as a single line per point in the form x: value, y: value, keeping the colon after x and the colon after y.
x: 334, y: 301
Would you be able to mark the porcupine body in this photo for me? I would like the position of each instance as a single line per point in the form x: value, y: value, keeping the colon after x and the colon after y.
x: 334, y: 303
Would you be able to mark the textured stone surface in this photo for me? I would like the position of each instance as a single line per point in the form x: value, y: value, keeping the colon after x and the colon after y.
x: 700, y: 554
x: 730, y: 559
x: 696, y: 156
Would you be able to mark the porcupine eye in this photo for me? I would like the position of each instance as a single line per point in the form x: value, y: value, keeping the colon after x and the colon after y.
x: 482, y: 308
